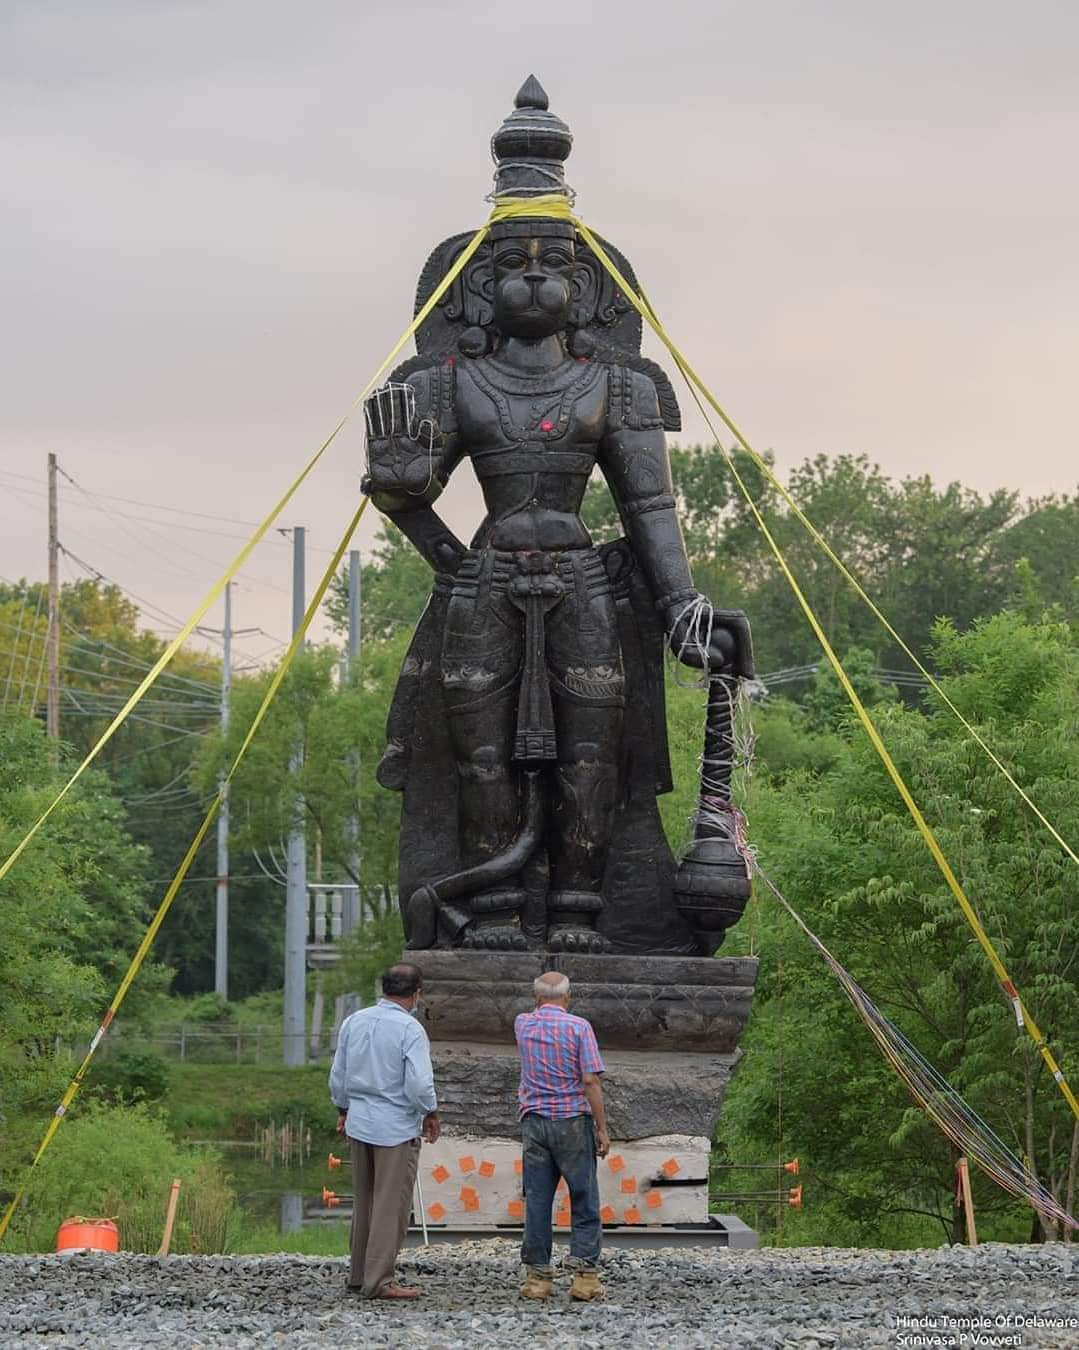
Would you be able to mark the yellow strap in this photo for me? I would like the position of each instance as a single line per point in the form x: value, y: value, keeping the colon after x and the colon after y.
x: 548, y: 205
x: 558, y: 208
x: 218, y: 587
x: 863, y: 716
x: 294, y: 646
x: 189, y: 857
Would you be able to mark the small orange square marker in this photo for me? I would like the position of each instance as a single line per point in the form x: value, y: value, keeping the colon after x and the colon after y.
x: 516, y: 1209
x: 607, y: 1214
x: 487, y: 1169
x: 654, y: 1199
x: 616, y: 1162
x: 629, y: 1185
x: 519, y: 1166
x: 671, y: 1167
x: 439, y: 1173
x: 436, y: 1211
x: 467, y: 1163
x: 472, y: 1203
x: 468, y: 1197
x: 562, y: 1219
x: 633, y: 1214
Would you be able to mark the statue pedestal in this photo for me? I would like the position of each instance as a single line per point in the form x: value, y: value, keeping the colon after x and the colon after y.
x: 668, y: 1029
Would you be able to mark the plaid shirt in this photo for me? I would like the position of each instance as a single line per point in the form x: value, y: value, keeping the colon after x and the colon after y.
x: 556, y: 1050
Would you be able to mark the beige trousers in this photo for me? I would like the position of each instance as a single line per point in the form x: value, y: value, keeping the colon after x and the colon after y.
x: 382, y: 1182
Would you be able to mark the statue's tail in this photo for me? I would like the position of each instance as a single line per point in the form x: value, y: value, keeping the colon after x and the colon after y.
x: 433, y: 903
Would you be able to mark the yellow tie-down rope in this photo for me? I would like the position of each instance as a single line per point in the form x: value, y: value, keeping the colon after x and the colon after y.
x: 219, y: 585
x: 1023, y: 1017
x: 188, y: 858
x: 552, y: 207
x: 275, y: 684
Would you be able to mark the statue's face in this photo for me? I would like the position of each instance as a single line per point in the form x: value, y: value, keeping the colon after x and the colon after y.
x: 533, y: 285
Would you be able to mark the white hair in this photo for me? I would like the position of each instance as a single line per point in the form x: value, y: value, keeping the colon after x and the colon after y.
x: 545, y: 987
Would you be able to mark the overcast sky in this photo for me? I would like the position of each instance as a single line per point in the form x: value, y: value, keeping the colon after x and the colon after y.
x: 858, y: 220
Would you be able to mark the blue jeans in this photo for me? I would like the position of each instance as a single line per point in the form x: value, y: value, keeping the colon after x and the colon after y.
x: 553, y: 1149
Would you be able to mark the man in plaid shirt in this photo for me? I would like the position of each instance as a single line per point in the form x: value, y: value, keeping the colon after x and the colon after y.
x: 563, y: 1128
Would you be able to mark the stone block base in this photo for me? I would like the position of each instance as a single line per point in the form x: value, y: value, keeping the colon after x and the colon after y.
x: 475, y: 1181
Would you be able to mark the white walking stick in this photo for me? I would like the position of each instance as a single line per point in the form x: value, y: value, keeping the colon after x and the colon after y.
x: 423, y: 1212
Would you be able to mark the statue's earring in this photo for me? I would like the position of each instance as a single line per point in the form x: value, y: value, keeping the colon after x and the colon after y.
x: 581, y: 344
x: 474, y: 342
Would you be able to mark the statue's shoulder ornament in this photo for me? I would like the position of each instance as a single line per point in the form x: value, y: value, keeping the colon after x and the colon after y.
x: 433, y: 376
x: 640, y: 397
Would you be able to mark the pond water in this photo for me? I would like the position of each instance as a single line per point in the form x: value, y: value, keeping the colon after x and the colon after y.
x: 275, y: 1195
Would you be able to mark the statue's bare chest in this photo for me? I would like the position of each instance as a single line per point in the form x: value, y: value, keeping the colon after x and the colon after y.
x: 499, y: 409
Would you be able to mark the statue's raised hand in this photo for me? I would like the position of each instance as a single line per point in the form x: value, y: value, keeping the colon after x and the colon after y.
x: 404, y: 450
x: 716, y: 640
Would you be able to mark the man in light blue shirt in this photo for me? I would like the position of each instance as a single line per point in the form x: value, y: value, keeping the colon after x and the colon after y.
x: 383, y: 1086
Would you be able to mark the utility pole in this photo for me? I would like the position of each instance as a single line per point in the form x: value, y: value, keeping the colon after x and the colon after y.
x: 221, y: 922
x: 52, y: 704
x: 296, y: 867
x: 221, y: 932
x: 354, y: 912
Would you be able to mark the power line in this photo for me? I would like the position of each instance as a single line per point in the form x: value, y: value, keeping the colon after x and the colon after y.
x: 125, y: 659
x: 161, y: 506
x: 153, y: 749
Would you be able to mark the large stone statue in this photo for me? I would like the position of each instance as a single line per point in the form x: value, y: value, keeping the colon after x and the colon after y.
x: 528, y: 728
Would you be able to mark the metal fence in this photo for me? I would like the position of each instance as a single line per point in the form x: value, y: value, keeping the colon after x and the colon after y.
x: 207, y: 1044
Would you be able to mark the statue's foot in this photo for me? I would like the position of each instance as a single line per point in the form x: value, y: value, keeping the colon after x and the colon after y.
x: 579, y: 941
x: 496, y: 938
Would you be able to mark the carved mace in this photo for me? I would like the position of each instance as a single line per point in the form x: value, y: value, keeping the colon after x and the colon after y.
x: 712, y: 884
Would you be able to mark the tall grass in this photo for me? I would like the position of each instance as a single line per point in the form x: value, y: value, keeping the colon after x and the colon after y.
x: 118, y: 1162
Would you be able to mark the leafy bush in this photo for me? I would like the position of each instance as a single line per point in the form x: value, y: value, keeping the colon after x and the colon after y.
x: 209, y: 1007
x: 134, y: 1075
x: 119, y: 1161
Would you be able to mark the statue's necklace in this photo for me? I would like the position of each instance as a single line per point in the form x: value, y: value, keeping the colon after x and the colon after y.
x: 548, y: 422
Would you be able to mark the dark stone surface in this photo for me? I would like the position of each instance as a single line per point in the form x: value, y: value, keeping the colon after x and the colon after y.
x: 645, y: 1093
x: 686, y: 1005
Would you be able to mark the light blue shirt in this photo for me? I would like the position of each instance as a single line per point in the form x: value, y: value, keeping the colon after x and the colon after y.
x: 382, y: 1074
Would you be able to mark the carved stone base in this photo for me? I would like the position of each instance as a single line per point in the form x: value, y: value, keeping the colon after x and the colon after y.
x: 645, y: 1093
x: 683, y: 1004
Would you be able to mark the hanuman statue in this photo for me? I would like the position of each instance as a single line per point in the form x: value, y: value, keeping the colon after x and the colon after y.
x: 527, y: 732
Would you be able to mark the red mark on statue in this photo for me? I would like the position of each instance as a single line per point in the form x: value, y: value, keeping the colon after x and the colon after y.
x: 546, y: 426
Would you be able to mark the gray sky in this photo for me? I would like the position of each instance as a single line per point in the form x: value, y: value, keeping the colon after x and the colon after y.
x: 858, y: 220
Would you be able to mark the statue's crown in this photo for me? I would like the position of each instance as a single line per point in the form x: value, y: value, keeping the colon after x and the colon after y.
x: 530, y: 147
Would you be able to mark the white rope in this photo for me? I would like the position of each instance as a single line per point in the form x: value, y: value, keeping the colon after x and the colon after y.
x: 381, y: 414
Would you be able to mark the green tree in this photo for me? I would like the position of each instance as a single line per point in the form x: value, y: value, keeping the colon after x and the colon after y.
x: 74, y: 907
x: 842, y: 848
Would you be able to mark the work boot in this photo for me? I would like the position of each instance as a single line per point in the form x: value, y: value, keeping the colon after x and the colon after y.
x: 586, y: 1287
x: 537, y: 1285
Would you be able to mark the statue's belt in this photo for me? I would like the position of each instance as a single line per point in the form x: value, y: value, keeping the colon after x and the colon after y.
x: 535, y: 582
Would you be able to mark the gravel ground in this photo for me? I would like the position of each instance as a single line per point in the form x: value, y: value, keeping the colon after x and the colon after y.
x: 800, y: 1298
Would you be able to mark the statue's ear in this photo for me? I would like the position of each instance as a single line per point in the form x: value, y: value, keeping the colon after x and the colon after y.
x: 479, y: 288
x: 587, y: 284
x: 468, y: 302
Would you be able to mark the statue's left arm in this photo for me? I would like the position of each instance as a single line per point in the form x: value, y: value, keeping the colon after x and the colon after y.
x: 633, y: 457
